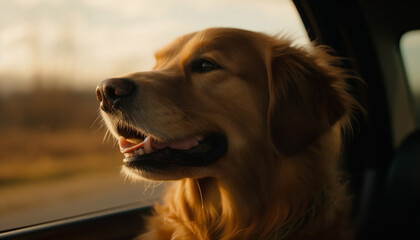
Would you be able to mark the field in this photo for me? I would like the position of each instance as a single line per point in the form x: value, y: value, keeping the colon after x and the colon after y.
x: 52, y: 135
x: 34, y: 156
x: 54, y: 161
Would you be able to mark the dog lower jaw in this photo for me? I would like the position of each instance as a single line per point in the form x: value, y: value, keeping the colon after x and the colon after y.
x: 136, y: 175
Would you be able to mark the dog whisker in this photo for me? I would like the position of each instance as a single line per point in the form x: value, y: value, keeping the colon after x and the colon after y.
x: 98, y: 118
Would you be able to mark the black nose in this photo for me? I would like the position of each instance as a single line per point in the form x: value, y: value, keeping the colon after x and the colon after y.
x: 111, y: 92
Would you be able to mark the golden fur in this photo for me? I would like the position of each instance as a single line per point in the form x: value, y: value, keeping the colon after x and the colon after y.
x: 283, y: 110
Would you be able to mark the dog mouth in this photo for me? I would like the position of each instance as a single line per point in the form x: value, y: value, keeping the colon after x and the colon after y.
x: 145, y: 152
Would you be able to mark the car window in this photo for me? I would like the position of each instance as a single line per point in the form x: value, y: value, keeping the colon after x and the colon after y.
x: 55, y: 158
x: 410, y: 50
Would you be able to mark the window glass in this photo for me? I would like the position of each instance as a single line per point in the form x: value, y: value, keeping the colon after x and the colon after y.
x: 410, y: 50
x: 54, y: 159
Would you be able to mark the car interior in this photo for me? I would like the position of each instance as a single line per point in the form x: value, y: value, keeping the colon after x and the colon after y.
x: 382, y: 158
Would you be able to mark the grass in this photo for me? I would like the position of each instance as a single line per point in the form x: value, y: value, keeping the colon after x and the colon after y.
x: 34, y: 156
x: 48, y: 134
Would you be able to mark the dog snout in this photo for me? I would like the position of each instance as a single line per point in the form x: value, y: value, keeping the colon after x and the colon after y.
x: 111, y: 92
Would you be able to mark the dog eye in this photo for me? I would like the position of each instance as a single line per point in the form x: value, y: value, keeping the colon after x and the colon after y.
x: 203, y: 66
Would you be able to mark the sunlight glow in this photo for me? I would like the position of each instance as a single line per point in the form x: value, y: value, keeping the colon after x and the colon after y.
x: 76, y: 44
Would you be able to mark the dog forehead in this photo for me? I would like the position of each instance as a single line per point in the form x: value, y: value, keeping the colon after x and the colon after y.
x: 173, y: 48
x: 222, y: 40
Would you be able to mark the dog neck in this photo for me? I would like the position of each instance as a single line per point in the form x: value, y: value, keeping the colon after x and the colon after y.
x: 255, y: 207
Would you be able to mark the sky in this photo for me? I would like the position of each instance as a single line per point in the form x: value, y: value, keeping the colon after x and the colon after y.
x: 78, y: 43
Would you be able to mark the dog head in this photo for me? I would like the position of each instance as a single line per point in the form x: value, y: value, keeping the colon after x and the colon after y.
x: 217, y: 95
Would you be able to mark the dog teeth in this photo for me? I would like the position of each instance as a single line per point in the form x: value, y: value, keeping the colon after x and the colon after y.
x: 139, y: 151
x: 128, y: 159
x: 147, y: 145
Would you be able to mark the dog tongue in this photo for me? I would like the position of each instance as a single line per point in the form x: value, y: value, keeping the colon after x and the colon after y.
x: 149, y: 144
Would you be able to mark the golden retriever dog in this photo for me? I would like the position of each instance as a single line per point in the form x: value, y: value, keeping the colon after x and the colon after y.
x: 250, y: 129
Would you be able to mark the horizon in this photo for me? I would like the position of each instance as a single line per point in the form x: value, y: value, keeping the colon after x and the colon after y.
x: 76, y: 44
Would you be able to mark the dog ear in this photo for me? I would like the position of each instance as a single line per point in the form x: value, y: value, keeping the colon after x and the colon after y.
x: 304, y: 98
